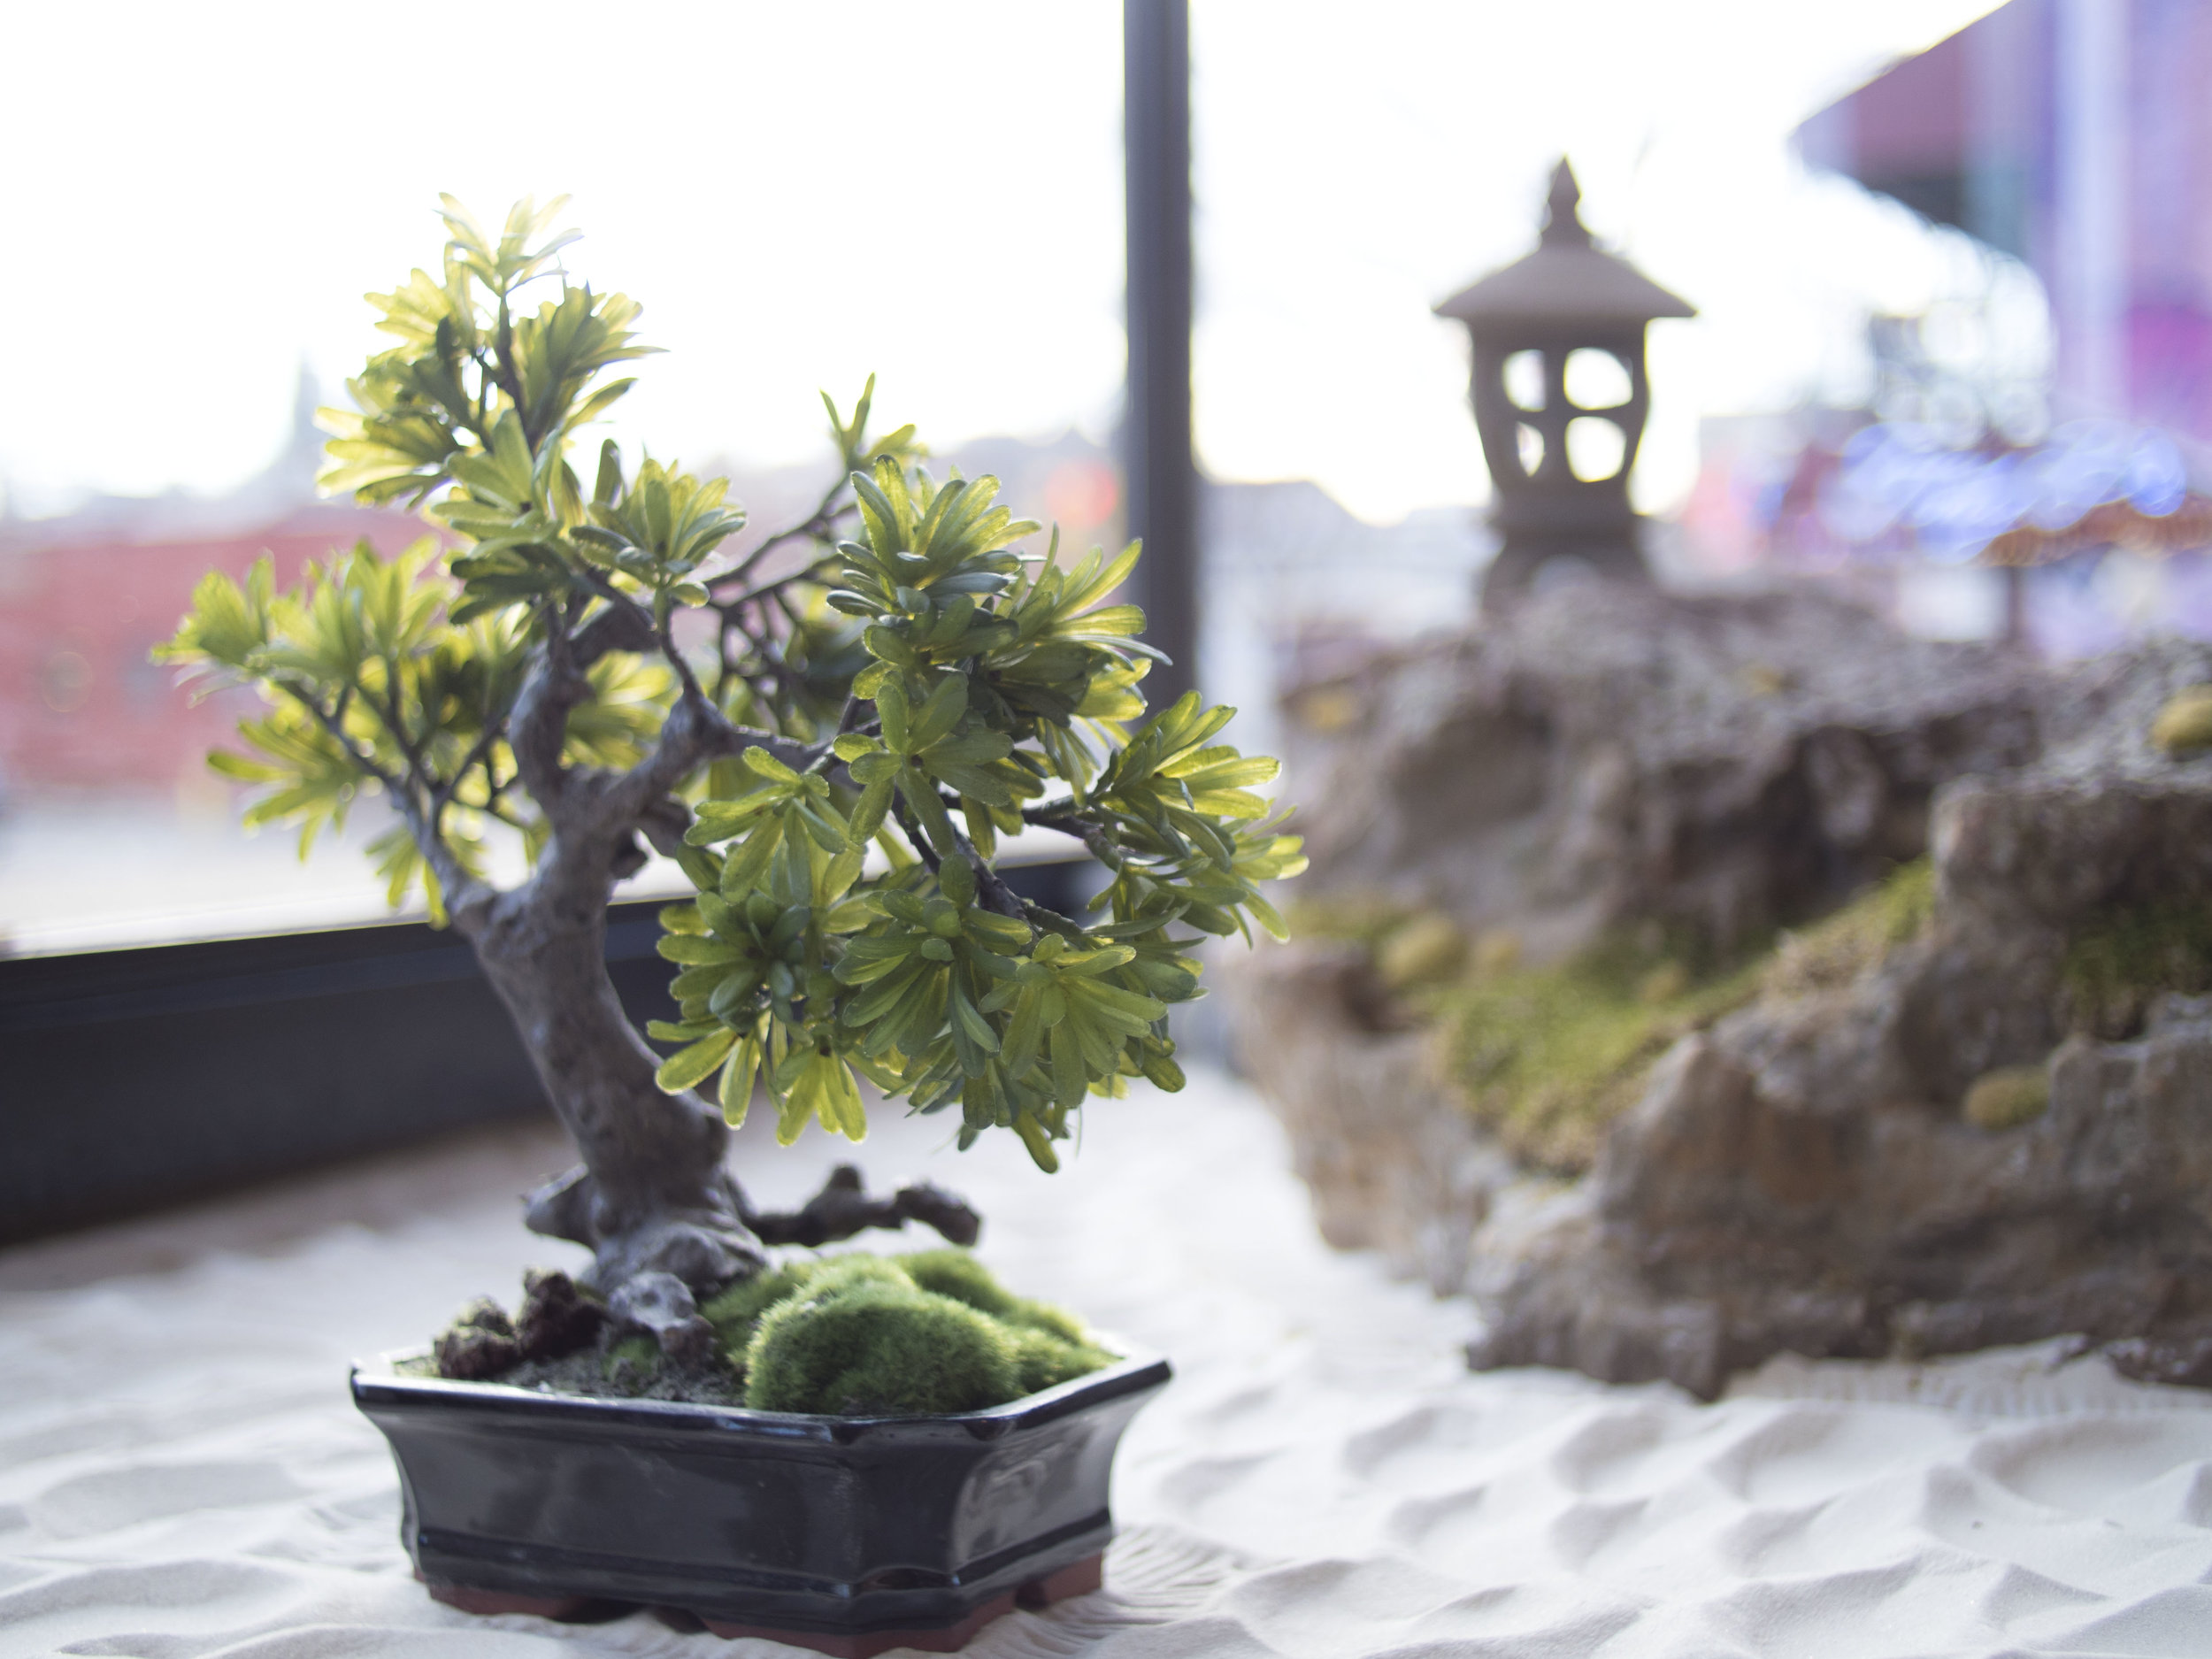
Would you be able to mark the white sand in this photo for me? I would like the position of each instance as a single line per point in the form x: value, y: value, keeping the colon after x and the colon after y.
x: 181, y: 1472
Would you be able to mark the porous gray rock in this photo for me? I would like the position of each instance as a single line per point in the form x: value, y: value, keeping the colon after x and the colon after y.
x: 1799, y: 1177
x: 1603, y: 754
x: 1392, y: 1162
x: 479, y: 1344
x: 556, y: 1319
x: 1733, y: 1216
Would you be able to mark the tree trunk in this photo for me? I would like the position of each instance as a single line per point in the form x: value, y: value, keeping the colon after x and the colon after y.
x: 666, y: 1222
x: 652, y: 1195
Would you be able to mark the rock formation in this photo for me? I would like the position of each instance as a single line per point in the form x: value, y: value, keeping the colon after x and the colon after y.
x: 1996, y: 1130
x: 1724, y: 764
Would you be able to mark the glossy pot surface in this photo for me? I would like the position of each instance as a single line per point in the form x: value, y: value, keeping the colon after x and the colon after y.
x: 758, y: 1519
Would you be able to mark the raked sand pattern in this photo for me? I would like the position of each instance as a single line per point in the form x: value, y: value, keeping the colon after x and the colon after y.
x: 181, y: 1472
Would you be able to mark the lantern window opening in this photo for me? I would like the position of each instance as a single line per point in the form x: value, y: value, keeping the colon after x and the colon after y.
x: 1596, y: 379
x: 1523, y: 373
x: 1529, y: 443
x: 1597, y: 449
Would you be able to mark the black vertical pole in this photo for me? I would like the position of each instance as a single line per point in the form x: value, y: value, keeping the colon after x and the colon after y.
x: 1161, y: 477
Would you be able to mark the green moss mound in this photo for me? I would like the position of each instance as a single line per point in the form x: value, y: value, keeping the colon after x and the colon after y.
x: 921, y: 1335
x: 2008, y: 1097
x: 1043, y: 1360
x: 1365, y: 918
x: 955, y: 1273
x: 1430, y: 949
x: 875, y: 1349
x: 2183, y: 727
x: 735, y: 1312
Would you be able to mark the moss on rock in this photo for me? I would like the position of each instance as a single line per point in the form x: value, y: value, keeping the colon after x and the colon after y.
x: 2123, y: 960
x: 2008, y: 1097
x: 1548, y: 1057
x: 1430, y: 949
x: 1363, y: 917
x: 957, y: 1274
x: 1833, y: 952
x: 2183, y: 726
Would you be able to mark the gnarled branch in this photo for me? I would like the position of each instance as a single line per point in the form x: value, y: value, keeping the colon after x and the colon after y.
x: 843, y: 1207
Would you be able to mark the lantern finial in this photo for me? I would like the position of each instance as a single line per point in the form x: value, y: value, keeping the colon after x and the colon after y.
x: 1562, y: 222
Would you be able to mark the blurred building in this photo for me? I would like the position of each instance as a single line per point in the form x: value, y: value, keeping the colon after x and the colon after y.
x: 2075, y: 135
x: 86, y: 596
x: 2071, y: 139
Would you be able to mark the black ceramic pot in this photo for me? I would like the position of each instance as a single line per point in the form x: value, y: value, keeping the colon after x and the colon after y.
x: 848, y: 1535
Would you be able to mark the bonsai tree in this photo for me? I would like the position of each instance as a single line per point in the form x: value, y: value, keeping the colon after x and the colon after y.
x: 829, y: 735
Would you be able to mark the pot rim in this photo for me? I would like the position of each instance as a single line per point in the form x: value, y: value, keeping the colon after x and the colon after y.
x: 378, y: 1382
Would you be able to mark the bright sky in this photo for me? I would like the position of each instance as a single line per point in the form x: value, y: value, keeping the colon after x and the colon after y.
x: 195, y: 197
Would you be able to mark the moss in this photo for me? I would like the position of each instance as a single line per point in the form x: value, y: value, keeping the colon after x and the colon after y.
x: 1045, y: 1360
x: 1364, y: 919
x: 877, y: 1348
x: 2008, y: 1097
x: 1835, y: 951
x: 2183, y: 726
x: 955, y: 1342
x: 734, y: 1311
x: 1429, y: 948
x: 833, y: 1275
x: 632, y: 1364
x: 1328, y: 710
x: 2117, y: 963
x: 957, y: 1274
x: 1548, y: 1057
x: 1410, y: 947
x: 1497, y: 951
x: 899, y: 1351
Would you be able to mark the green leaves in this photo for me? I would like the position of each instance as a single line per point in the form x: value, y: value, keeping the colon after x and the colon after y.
x: 689, y: 1064
x: 368, y: 680
x: 871, y: 702
x: 482, y: 393
x: 816, y: 1083
x: 659, y: 531
x: 227, y: 627
x: 989, y: 685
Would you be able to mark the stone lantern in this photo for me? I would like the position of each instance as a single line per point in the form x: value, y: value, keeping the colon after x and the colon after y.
x: 1560, y: 394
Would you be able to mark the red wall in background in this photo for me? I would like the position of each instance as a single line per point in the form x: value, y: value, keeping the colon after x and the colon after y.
x: 80, y: 705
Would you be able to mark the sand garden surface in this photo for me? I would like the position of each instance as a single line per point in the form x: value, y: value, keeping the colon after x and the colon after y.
x: 181, y: 1472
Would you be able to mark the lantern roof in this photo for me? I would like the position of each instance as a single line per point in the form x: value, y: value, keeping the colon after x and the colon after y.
x: 1568, y: 279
